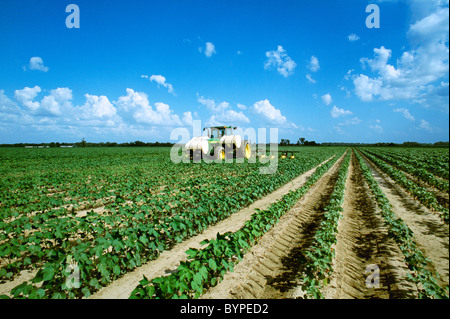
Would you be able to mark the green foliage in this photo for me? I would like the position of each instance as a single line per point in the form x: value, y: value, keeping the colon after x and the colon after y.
x: 418, y: 192
x: 404, y: 238
x: 414, y: 168
x: 206, y: 267
x: 316, y: 261
x: 150, y: 205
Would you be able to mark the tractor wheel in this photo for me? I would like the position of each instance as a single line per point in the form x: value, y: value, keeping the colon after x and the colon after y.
x: 244, y: 151
x: 219, y: 153
x: 229, y: 151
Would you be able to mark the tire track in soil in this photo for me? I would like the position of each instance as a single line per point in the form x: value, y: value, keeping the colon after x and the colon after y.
x: 270, y: 268
x: 169, y: 260
x: 363, y: 241
x: 441, y: 196
x: 430, y: 232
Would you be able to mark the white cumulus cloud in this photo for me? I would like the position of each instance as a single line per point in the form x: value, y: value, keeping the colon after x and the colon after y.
x: 417, y: 75
x: 9, y: 110
x: 98, y: 106
x: 353, y: 37
x: 326, y: 99
x: 337, y: 112
x: 352, y: 121
x: 160, y: 81
x: 425, y: 126
x: 314, y: 65
x: 432, y: 27
x: 377, y: 128
x: 222, y: 112
x: 281, y: 61
x: 310, y: 79
x: 187, y: 118
x: 405, y: 113
x: 269, y: 112
x: 36, y: 63
x: 208, y: 50
x: 366, y: 88
x: 57, y: 102
x: 26, y: 95
x: 138, y: 106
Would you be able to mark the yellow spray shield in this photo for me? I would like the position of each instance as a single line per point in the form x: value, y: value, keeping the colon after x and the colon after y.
x: 248, y: 151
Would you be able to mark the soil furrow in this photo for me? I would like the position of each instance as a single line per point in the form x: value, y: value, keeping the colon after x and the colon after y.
x: 269, y: 270
x: 169, y: 260
x: 363, y: 245
x: 430, y: 232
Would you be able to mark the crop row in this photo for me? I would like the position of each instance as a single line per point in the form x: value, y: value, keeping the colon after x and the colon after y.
x: 404, y: 238
x: 419, y: 173
x: 317, y: 260
x: 42, y: 188
x: 418, y: 192
x: 205, y: 267
x: 435, y: 162
x: 29, y: 238
x: 125, y: 236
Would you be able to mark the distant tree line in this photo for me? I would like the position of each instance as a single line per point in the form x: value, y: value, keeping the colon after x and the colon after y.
x: 83, y: 143
x: 284, y: 142
x: 303, y: 142
x: 300, y: 142
x: 405, y: 144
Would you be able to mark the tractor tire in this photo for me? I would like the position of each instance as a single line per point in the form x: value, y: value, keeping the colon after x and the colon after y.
x: 244, y: 151
x: 229, y: 151
x: 219, y: 153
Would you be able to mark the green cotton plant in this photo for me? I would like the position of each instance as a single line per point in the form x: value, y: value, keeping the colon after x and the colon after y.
x: 420, y: 193
x: 316, y: 262
x: 404, y: 237
x: 173, y: 207
x: 205, y: 267
x: 429, y: 161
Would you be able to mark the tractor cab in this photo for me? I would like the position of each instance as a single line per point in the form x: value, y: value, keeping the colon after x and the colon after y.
x: 217, y: 132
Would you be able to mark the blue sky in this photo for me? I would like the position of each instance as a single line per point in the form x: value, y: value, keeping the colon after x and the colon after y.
x: 135, y: 70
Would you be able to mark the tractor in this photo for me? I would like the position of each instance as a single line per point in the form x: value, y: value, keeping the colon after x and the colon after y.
x: 218, y: 143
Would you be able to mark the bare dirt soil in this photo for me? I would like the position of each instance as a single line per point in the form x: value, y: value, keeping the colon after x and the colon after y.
x: 430, y: 232
x: 363, y: 245
x: 169, y: 260
x: 269, y: 269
